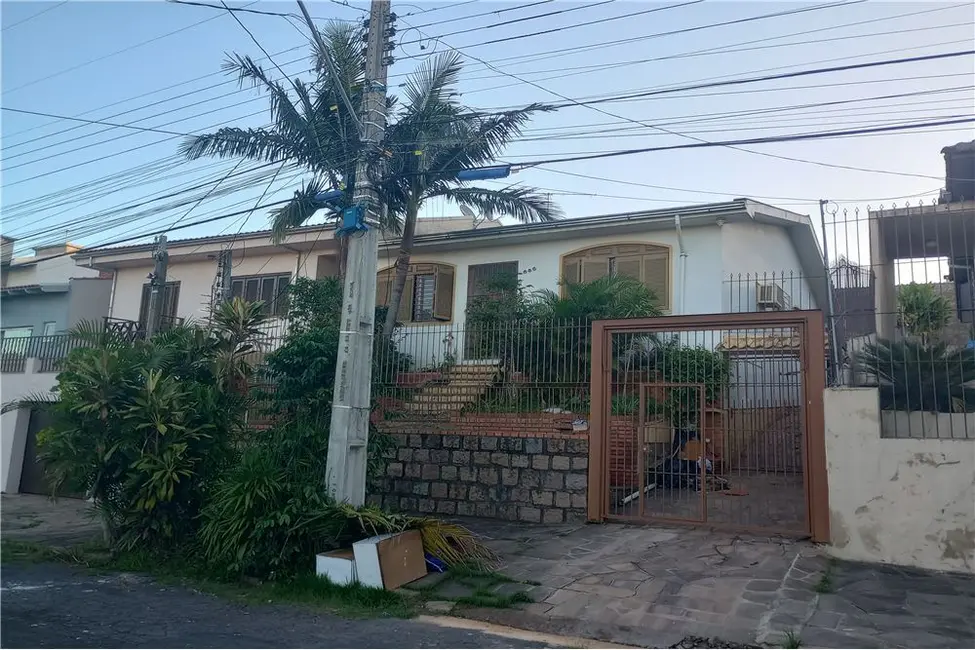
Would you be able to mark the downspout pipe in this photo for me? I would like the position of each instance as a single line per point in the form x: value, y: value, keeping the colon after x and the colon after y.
x: 681, y: 266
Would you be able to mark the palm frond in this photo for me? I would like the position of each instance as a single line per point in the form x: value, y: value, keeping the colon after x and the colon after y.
x: 30, y: 401
x: 431, y: 83
x: 287, y: 118
x: 254, y: 144
x: 297, y: 211
x: 523, y: 203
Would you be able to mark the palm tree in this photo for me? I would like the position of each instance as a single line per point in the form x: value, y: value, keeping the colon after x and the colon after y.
x: 429, y: 139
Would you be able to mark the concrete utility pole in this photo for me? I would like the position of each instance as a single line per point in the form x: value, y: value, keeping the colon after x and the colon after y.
x: 157, y: 286
x: 351, y: 400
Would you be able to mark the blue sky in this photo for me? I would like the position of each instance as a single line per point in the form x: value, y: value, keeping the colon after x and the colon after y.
x: 67, y: 61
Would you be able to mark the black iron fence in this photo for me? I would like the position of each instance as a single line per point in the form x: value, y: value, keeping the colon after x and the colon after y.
x: 900, y: 300
x: 47, y: 351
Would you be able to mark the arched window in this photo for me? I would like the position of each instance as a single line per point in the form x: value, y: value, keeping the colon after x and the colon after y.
x: 427, y: 297
x: 648, y: 263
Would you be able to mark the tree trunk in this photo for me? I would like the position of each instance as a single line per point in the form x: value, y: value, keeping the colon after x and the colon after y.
x: 402, y: 270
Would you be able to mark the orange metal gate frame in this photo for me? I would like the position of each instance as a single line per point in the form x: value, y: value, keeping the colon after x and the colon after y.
x: 809, y: 324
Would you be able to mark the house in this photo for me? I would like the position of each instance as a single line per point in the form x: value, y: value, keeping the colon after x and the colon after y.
x: 686, y: 255
x: 260, y: 269
x: 47, y: 293
x: 929, y: 244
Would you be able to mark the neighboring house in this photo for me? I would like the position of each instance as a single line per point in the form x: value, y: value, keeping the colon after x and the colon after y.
x: 685, y: 255
x: 47, y: 293
x: 938, y: 236
x: 849, y: 275
x: 260, y: 269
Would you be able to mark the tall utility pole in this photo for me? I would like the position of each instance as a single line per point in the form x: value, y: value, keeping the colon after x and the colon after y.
x: 351, y: 399
x: 157, y: 286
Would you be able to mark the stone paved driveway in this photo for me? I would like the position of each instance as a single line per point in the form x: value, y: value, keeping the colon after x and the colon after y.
x: 652, y: 586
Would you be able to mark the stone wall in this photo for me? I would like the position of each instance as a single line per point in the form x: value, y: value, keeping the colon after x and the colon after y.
x: 503, y: 472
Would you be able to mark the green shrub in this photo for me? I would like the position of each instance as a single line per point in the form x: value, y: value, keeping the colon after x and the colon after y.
x: 918, y: 377
x: 145, y: 427
x: 923, y: 312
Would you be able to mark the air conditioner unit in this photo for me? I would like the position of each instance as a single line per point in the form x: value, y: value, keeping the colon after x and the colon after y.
x: 772, y: 297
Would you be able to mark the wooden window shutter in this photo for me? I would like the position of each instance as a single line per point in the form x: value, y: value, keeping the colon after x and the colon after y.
x: 570, y: 270
x: 443, y: 298
x: 656, y: 276
x: 405, y: 313
x: 170, y: 299
x: 593, y: 269
x: 144, y: 305
x: 630, y: 267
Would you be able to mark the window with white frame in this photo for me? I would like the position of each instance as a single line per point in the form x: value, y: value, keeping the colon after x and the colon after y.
x: 271, y: 289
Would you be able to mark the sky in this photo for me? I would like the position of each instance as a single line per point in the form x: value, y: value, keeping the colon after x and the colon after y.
x: 157, y: 65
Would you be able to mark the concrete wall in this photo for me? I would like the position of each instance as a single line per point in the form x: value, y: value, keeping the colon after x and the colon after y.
x: 904, y: 501
x: 46, y: 271
x: 13, y: 425
x: 88, y: 300
x: 33, y: 310
x: 759, y: 251
x: 196, y: 281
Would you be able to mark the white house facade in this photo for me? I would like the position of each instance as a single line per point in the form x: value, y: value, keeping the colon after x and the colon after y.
x: 686, y: 255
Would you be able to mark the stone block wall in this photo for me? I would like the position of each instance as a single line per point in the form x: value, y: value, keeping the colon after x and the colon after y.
x: 532, y: 476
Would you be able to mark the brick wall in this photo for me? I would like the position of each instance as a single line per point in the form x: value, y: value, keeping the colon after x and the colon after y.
x: 512, y: 467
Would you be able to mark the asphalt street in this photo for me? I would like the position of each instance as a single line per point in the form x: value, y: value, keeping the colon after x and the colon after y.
x: 53, y: 606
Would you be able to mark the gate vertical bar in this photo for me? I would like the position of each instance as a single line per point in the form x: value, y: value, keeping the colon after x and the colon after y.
x: 703, y: 460
x: 814, y: 368
x: 641, y: 446
x: 598, y: 488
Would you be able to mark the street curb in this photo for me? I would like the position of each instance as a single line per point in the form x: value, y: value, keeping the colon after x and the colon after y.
x: 517, y: 633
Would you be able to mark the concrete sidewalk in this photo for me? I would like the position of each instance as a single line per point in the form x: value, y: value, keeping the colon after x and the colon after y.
x: 653, y: 586
x: 659, y: 587
x: 57, y: 522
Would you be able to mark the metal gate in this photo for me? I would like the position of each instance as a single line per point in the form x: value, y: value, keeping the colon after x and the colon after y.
x: 713, y: 419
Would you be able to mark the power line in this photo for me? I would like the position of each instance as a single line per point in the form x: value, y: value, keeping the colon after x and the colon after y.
x: 79, y: 119
x: 729, y: 143
x: 598, y: 100
x: 33, y: 16
x: 511, y: 22
x: 115, y: 53
x: 699, y: 191
x: 775, y: 77
x: 527, y: 58
x: 567, y: 27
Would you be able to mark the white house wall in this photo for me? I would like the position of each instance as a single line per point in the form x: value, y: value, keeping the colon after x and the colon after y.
x: 703, y: 278
x: 196, y: 280
x: 54, y: 270
x: 756, y: 250
x: 13, y: 424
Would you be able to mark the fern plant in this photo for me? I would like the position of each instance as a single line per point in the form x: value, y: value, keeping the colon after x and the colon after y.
x: 913, y: 376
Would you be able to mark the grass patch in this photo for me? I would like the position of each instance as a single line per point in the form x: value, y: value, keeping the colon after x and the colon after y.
x: 825, y: 584
x: 792, y: 640
x: 352, y: 601
x: 482, y: 598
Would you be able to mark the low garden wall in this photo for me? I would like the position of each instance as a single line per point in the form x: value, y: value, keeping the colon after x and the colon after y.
x: 530, y: 468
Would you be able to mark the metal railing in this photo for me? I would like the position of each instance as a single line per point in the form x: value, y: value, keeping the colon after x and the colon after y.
x: 901, y: 306
x: 47, y: 350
